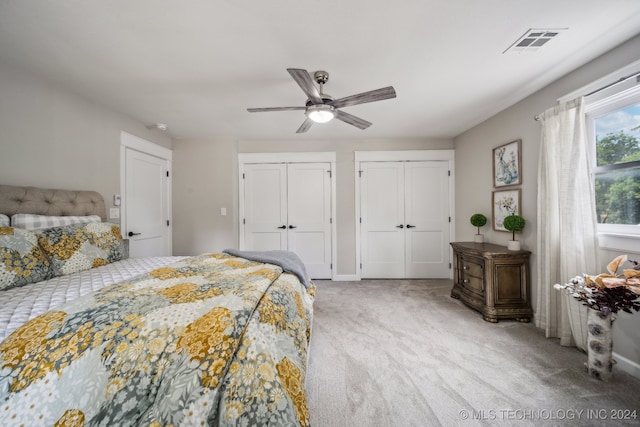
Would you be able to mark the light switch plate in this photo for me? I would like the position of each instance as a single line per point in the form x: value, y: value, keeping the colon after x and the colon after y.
x: 223, y: 211
x: 114, y: 213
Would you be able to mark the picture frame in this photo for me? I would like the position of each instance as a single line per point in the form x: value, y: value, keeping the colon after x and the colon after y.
x: 507, y: 164
x: 504, y: 203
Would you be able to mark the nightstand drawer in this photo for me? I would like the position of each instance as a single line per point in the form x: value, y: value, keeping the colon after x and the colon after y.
x: 473, y: 284
x: 470, y: 268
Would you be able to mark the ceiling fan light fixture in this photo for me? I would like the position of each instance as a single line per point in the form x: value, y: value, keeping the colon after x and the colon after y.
x: 321, y: 113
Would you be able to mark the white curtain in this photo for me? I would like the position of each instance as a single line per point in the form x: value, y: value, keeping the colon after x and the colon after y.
x: 567, y: 240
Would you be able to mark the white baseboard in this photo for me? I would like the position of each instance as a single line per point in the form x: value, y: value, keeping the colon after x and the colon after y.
x: 345, y: 278
x: 627, y: 365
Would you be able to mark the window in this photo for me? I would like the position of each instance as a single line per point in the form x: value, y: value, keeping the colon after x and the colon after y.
x: 617, y: 172
x: 613, y: 120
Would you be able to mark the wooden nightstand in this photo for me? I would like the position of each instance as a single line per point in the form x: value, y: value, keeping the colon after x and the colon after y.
x: 493, y: 280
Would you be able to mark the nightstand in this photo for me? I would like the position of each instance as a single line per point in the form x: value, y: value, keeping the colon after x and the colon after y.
x: 492, y: 280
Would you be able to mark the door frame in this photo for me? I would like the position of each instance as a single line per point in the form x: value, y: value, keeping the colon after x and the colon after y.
x: 291, y: 157
x: 132, y: 142
x: 402, y: 156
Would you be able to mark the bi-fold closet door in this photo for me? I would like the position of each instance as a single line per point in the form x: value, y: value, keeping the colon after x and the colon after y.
x: 404, y: 219
x: 287, y: 206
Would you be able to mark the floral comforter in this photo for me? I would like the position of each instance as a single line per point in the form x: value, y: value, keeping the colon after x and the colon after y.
x: 210, y: 340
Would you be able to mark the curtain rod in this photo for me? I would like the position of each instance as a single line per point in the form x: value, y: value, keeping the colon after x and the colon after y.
x: 620, y: 80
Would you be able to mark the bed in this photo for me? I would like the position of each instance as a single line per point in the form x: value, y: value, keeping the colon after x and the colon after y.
x: 89, y: 336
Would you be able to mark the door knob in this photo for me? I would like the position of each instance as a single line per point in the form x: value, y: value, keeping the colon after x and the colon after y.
x: 411, y: 226
x: 282, y: 227
x: 292, y: 226
x: 131, y: 233
x: 400, y: 226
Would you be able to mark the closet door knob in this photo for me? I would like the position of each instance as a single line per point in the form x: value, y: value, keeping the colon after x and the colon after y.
x: 411, y: 226
x: 400, y: 226
x: 131, y: 233
x: 282, y: 227
x: 292, y: 226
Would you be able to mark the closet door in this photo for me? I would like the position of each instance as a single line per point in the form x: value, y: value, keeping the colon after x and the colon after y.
x: 404, y: 226
x: 309, y: 214
x: 288, y: 207
x: 382, y: 220
x: 265, y: 222
x: 427, y: 219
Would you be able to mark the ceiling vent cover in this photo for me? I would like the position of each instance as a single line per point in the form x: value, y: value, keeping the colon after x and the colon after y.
x: 534, y: 39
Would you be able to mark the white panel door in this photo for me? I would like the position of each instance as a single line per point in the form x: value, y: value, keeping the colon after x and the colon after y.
x: 146, y: 204
x: 309, y: 215
x: 288, y: 207
x: 404, y: 219
x: 427, y: 219
x: 265, y: 222
x: 382, y: 220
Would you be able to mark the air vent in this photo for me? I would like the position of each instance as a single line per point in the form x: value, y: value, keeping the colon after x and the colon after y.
x: 534, y: 39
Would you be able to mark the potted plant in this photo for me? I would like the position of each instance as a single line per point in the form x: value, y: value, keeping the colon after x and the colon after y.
x: 513, y: 223
x: 604, y: 295
x: 478, y: 220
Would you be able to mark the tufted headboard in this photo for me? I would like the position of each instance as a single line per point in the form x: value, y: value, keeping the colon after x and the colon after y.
x: 42, y: 201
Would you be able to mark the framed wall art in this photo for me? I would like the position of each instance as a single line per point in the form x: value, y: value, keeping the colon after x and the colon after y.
x: 507, y: 164
x: 504, y: 203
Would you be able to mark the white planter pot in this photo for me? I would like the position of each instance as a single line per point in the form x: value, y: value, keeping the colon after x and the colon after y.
x: 600, y: 345
x: 478, y: 238
x: 513, y: 245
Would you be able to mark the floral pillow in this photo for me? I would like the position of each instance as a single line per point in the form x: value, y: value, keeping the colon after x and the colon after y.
x: 22, y: 261
x: 78, y: 247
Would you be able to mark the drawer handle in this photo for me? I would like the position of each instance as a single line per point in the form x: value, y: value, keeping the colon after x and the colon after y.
x: 465, y: 281
x: 465, y: 267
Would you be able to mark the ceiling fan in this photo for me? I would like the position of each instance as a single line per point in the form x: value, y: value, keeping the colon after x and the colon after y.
x: 321, y: 107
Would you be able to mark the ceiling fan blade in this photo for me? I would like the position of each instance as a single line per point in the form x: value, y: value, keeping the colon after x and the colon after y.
x: 259, y: 110
x: 352, y: 120
x: 305, y: 126
x: 361, y: 98
x: 303, y: 79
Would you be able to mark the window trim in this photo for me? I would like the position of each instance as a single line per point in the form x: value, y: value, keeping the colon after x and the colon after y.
x: 617, y: 237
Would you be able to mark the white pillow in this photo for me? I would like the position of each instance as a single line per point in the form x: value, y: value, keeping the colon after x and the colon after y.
x: 36, y: 222
x: 4, y: 220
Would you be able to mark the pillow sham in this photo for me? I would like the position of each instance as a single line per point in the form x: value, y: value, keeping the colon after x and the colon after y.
x: 4, y: 220
x: 22, y: 261
x: 37, y: 222
x: 79, y: 247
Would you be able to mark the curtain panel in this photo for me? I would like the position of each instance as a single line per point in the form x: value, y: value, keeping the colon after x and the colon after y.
x: 567, y: 239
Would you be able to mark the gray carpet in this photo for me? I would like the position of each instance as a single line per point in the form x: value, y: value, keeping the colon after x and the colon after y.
x: 403, y: 353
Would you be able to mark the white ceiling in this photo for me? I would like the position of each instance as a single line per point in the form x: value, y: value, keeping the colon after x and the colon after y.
x: 197, y: 65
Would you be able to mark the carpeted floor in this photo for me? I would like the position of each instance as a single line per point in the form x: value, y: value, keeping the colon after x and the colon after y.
x: 403, y: 353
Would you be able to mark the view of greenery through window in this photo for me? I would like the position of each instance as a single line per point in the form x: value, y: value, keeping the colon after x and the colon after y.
x: 617, y: 177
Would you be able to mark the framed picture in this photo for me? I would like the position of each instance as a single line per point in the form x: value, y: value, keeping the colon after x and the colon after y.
x: 504, y: 203
x: 507, y: 164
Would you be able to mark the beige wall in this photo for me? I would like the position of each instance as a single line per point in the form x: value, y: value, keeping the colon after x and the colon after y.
x: 51, y: 138
x: 474, y: 172
x: 205, y: 179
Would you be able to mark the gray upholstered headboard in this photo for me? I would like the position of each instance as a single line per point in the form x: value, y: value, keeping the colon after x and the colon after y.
x: 43, y: 201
